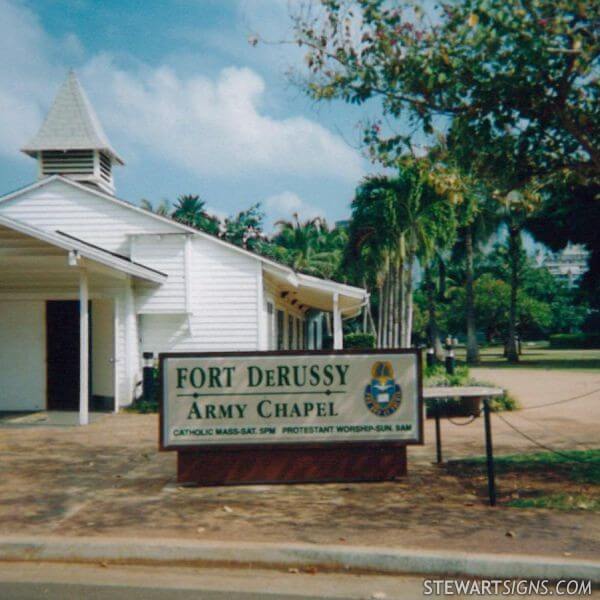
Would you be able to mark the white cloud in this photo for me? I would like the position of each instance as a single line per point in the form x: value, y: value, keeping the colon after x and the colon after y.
x: 26, y: 82
x: 209, y: 126
x: 214, y: 127
x: 284, y: 205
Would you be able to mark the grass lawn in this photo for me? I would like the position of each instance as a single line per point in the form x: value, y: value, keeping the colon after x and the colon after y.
x: 539, y: 356
x: 569, y: 481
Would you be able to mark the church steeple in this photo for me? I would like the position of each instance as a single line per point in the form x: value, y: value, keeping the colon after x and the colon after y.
x: 71, y: 141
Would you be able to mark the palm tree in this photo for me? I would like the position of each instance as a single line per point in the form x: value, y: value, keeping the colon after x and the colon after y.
x: 516, y: 208
x: 190, y: 210
x: 163, y: 208
x: 310, y: 245
x: 434, y: 272
x: 402, y: 220
x: 479, y: 219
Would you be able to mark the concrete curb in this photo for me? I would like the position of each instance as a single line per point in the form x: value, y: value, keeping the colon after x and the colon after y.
x: 346, y: 558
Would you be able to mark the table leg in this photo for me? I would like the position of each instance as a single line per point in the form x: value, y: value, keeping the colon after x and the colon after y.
x: 438, y: 433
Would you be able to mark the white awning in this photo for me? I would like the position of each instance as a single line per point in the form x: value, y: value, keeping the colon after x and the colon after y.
x: 317, y: 293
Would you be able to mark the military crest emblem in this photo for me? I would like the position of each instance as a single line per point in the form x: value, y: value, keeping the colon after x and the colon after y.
x: 383, y: 395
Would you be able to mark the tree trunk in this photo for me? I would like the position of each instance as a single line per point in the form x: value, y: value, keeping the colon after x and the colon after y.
x: 514, y: 248
x: 374, y: 329
x: 396, y: 322
x: 433, y: 333
x: 368, y: 315
x: 409, y: 302
x: 472, y: 346
x: 401, y: 292
x: 386, y: 299
x: 365, y: 317
x: 392, y: 306
x: 380, y: 317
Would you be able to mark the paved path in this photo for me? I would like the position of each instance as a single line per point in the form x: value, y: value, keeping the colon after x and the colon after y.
x: 566, y: 425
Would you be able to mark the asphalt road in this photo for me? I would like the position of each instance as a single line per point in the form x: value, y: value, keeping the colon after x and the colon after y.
x: 59, y: 581
x: 66, y: 591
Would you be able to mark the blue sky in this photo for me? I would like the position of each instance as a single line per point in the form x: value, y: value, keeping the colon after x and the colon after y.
x: 189, y: 104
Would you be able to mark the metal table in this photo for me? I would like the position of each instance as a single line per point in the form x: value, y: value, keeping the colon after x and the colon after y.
x: 480, y: 393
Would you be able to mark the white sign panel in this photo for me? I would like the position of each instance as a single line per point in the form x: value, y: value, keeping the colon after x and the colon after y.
x: 265, y: 398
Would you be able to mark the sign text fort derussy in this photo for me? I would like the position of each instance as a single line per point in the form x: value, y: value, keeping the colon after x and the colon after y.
x: 265, y: 398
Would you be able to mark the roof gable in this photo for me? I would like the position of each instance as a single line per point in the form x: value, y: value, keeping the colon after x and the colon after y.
x: 93, y: 191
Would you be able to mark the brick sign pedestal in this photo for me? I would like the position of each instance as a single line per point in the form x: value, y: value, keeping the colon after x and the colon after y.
x: 330, y: 463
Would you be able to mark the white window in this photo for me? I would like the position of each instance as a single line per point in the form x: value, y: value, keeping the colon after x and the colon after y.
x: 280, y: 325
x: 290, y: 332
x: 270, y: 326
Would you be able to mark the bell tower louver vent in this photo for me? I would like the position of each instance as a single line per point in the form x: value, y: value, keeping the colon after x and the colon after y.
x: 71, y: 141
x: 71, y: 162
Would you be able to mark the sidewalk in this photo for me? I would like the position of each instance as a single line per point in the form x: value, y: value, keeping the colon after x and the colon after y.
x: 307, y: 557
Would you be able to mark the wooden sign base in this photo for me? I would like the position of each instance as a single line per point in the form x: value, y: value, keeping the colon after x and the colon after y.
x: 328, y: 463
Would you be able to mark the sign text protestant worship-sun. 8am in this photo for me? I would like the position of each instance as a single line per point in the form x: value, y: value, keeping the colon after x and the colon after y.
x: 263, y: 398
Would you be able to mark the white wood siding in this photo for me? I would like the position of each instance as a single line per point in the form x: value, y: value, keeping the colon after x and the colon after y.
x: 59, y: 206
x: 166, y: 253
x: 224, y: 301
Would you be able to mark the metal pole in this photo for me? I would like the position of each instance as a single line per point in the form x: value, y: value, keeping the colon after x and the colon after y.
x: 450, y: 360
x: 438, y: 432
x: 489, y: 452
x: 430, y: 357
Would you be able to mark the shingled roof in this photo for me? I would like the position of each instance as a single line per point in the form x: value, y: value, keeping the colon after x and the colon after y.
x: 71, y: 124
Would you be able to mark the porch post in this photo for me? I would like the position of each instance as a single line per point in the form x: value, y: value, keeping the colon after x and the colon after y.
x: 116, y: 351
x: 338, y: 337
x: 84, y: 357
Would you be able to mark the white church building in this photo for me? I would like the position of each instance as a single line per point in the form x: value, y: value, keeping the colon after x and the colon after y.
x: 90, y: 282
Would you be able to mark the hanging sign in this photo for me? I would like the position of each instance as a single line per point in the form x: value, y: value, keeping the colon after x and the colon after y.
x: 277, y: 398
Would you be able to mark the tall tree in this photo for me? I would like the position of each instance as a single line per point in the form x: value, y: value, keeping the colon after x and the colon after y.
x: 524, y: 67
x: 517, y: 81
x: 245, y: 229
x: 400, y: 219
x: 190, y: 210
x: 310, y: 245
x: 163, y: 208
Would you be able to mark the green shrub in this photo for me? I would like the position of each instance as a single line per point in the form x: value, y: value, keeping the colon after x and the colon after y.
x: 147, y: 405
x: 359, y: 340
x: 436, y: 376
x: 505, y: 402
x: 575, y: 340
x: 144, y: 406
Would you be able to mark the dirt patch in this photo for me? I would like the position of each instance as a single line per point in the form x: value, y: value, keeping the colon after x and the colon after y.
x: 109, y: 479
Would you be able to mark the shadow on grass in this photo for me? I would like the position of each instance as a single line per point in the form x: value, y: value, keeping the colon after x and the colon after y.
x: 566, y: 481
x: 582, y: 466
